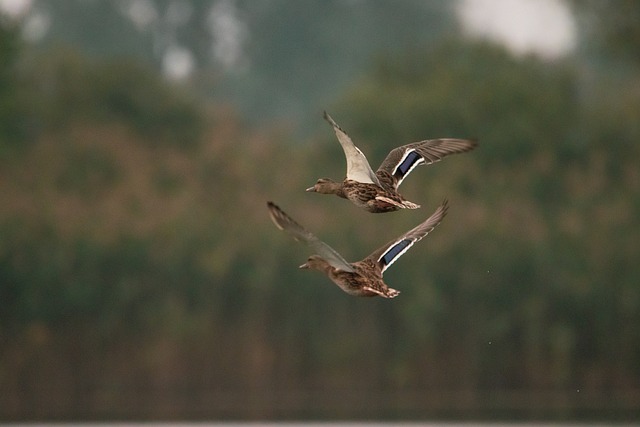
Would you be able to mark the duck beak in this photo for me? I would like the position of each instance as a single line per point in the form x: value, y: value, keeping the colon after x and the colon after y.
x: 305, y: 265
x: 311, y: 190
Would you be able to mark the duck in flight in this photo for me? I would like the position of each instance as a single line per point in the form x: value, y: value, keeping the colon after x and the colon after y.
x: 362, y: 278
x: 377, y: 191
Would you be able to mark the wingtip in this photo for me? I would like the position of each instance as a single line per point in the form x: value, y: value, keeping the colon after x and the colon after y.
x: 444, y: 206
x: 273, y: 207
x: 274, y: 212
x: 329, y: 119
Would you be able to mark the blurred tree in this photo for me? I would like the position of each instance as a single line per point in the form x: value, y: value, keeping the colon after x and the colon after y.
x: 279, y: 58
x: 65, y: 88
x: 610, y: 29
x: 128, y: 264
x: 98, y: 28
x: 457, y: 89
x: 300, y: 54
x: 11, y: 119
x: 539, y: 147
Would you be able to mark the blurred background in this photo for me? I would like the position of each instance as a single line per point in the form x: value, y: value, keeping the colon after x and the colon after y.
x: 140, y: 275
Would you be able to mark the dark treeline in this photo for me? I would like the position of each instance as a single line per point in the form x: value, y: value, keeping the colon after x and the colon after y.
x: 273, y: 60
x: 141, y: 278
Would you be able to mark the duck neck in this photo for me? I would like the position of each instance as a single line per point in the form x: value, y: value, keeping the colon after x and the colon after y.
x: 332, y: 187
x: 320, y: 264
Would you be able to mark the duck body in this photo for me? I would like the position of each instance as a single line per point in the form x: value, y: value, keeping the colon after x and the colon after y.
x: 377, y: 192
x: 365, y: 281
x: 362, y: 278
x: 374, y: 198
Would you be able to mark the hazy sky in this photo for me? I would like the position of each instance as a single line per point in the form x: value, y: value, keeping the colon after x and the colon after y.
x: 542, y: 26
x: 14, y: 7
x: 545, y: 27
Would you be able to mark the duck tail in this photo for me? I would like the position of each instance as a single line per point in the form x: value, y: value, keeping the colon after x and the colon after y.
x: 410, y: 205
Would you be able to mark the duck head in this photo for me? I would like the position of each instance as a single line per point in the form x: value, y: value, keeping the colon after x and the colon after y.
x: 315, y: 262
x: 326, y: 186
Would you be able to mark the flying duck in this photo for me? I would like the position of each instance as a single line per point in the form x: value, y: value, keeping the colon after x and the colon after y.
x: 361, y: 278
x: 377, y: 191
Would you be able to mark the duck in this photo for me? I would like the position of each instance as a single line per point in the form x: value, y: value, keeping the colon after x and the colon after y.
x: 377, y: 192
x: 362, y: 278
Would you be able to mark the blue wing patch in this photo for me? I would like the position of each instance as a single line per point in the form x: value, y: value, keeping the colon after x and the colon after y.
x: 395, y: 251
x: 410, y: 160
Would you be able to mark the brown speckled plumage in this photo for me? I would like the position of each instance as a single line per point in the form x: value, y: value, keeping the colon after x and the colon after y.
x: 362, y: 278
x: 377, y: 192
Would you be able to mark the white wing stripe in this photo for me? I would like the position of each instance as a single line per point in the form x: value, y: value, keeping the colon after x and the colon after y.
x: 394, y: 252
x: 407, y: 163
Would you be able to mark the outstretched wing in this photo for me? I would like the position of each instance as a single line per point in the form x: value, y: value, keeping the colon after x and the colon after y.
x: 402, y: 160
x: 358, y: 168
x: 389, y: 253
x: 286, y: 223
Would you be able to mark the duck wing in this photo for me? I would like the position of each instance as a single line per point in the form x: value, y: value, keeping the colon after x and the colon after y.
x: 389, y: 253
x: 402, y: 160
x: 358, y: 168
x: 286, y: 223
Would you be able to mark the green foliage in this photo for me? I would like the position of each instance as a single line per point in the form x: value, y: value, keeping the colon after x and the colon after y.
x: 463, y: 90
x: 536, y: 267
x: 12, y: 130
x: 610, y: 29
x: 89, y: 172
x: 293, y: 57
x: 302, y: 53
x: 129, y: 265
x: 65, y: 88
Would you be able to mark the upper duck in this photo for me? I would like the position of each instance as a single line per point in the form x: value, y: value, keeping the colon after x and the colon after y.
x: 362, y: 278
x: 377, y: 191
